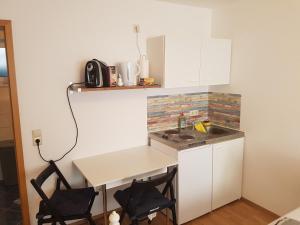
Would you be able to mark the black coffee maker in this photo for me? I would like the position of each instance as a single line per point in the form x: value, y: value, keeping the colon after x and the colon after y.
x: 96, y: 74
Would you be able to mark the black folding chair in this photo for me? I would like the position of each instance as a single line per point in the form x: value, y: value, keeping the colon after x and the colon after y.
x: 143, y: 198
x: 64, y: 204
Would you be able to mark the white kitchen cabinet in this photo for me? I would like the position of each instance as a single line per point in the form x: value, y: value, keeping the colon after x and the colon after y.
x: 209, y: 176
x: 215, y: 62
x: 194, y: 183
x: 185, y: 60
x: 174, y: 61
x: 227, y: 172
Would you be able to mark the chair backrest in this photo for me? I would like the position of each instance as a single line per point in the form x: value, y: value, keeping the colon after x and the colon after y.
x: 44, y: 175
x: 139, y: 187
x: 167, y: 178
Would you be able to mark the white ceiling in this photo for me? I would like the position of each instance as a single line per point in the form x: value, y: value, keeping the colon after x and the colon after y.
x: 203, y: 3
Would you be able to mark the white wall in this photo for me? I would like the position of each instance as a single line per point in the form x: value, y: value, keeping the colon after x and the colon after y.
x: 265, y: 70
x: 203, y: 3
x: 52, y: 42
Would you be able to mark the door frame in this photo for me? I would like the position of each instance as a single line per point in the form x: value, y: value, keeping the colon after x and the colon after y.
x: 16, y: 120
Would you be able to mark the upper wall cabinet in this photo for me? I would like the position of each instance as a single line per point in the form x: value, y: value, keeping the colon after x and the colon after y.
x: 186, y: 61
x: 215, y: 62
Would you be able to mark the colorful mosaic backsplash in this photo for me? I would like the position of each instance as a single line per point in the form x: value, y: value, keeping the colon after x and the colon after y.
x: 163, y: 111
x: 224, y: 109
x: 221, y: 109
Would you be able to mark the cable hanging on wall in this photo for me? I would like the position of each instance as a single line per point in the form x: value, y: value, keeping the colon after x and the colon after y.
x: 137, y: 32
x: 69, y: 88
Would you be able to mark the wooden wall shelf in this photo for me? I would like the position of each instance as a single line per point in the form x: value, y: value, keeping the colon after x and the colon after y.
x: 85, y: 89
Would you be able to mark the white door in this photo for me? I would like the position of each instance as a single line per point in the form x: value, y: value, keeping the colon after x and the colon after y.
x: 194, y: 183
x: 215, y: 62
x: 182, y: 60
x: 227, y: 172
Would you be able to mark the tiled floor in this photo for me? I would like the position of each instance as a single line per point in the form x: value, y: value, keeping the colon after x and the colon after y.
x: 10, y: 212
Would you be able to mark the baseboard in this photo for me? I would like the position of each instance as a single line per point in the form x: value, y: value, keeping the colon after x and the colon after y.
x: 260, y: 207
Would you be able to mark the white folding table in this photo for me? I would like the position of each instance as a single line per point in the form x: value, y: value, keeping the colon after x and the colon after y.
x: 113, y: 169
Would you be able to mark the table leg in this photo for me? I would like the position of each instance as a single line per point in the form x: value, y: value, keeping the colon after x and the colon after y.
x: 86, y: 183
x: 168, y: 196
x: 104, y: 196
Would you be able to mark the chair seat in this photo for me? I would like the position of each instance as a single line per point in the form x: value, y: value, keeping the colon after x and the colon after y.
x: 69, y: 203
x: 150, y: 201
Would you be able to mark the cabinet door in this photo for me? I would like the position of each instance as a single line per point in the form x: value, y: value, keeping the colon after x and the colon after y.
x: 156, y: 56
x: 182, y: 61
x: 215, y: 62
x: 194, y: 183
x: 227, y: 172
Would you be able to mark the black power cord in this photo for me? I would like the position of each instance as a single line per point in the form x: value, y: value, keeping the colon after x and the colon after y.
x: 37, y: 141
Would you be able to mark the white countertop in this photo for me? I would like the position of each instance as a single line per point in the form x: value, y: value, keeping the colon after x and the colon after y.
x: 112, y: 167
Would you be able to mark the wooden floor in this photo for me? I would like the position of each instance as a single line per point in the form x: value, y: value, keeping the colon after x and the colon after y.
x: 237, y: 213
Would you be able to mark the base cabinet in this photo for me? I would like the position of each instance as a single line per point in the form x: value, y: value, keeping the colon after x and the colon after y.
x: 208, y: 177
x: 194, y: 187
x: 227, y: 172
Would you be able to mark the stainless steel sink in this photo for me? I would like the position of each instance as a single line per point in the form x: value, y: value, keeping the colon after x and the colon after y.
x: 189, y: 137
x: 212, y: 130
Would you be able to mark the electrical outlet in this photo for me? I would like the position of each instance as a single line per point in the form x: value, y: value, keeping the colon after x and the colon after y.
x: 194, y: 113
x: 136, y: 28
x: 36, y: 134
